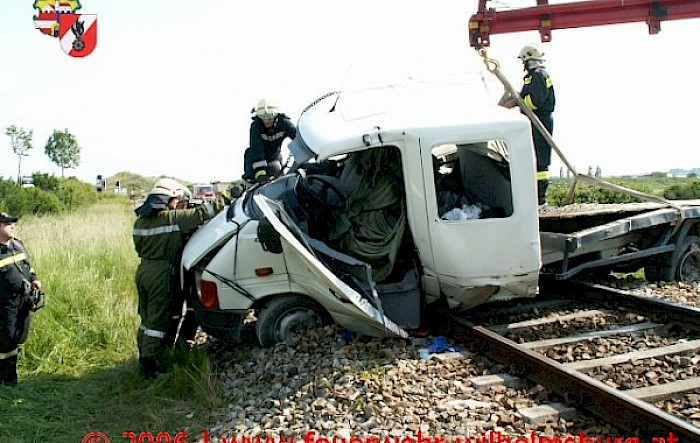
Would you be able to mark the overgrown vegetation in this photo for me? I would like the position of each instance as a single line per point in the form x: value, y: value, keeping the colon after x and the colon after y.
x: 50, y: 195
x: 673, y: 188
x: 78, y: 369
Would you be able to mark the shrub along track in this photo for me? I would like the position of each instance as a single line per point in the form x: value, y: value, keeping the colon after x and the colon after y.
x: 605, y: 350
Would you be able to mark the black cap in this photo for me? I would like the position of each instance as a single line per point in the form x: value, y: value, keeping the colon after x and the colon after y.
x: 5, y: 218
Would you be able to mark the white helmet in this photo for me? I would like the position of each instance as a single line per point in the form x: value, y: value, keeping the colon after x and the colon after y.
x: 531, y: 52
x: 168, y: 187
x: 266, y: 109
x: 186, y: 194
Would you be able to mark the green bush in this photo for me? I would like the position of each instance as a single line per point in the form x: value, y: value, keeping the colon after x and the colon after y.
x: 46, y: 182
x: 585, y: 193
x: 683, y: 191
x: 672, y: 188
x: 20, y: 201
x: 50, y: 195
x: 74, y: 193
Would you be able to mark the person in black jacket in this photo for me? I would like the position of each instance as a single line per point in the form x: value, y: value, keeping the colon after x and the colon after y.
x: 17, y: 281
x: 263, y: 158
x: 538, y: 95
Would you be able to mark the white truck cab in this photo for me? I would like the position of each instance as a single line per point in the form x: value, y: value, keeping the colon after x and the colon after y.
x: 399, y: 197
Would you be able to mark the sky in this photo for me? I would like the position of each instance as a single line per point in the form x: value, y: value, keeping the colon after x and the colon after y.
x: 169, y: 88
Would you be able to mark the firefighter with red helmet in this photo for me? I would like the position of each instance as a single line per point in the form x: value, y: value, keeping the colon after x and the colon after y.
x: 270, y: 127
x: 158, y: 239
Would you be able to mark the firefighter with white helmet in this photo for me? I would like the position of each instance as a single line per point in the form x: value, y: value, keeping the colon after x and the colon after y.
x: 158, y: 239
x: 538, y: 95
x: 531, y: 52
x: 270, y: 126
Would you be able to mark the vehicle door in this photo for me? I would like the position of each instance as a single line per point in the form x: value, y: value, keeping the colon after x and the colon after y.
x: 482, y: 216
x: 346, y: 305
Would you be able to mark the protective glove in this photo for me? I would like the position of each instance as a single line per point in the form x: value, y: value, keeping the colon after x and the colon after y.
x: 236, y: 190
x: 225, y: 199
x: 219, y: 203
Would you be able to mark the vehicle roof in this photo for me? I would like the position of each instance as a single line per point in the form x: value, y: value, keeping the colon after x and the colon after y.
x: 337, y: 123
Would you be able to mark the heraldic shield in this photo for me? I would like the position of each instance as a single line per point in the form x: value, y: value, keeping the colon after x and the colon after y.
x: 78, y: 34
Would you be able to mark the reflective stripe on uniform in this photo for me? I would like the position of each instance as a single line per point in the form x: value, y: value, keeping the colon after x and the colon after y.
x: 260, y: 164
x: 4, y: 355
x: 148, y: 232
x: 542, y: 175
x: 12, y: 259
x: 528, y: 102
x: 273, y: 137
x: 152, y: 332
x: 549, y: 83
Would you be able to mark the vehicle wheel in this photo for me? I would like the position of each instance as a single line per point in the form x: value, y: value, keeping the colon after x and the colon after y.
x: 683, y: 265
x: 288, y: 315
x: 688, y: 263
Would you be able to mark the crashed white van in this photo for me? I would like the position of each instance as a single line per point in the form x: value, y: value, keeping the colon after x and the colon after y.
x: 399, y: 197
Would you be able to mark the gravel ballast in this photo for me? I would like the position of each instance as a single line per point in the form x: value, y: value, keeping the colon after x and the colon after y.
x: 370, y: 387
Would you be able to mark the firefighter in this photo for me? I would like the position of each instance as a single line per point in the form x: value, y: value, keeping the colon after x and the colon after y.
x: 158, y: 239
x: 263, y: 158
x: 538, y: 94
x: 17, y: 281
x: 183, y: 323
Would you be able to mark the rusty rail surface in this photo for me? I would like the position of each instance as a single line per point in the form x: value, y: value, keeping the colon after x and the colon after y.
x: 612, y: 405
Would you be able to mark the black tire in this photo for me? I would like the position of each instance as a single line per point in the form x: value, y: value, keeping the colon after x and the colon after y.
x: 683, y: 265
x: 285, y: 316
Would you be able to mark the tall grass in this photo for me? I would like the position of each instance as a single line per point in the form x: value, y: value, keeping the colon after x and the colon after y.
x: 78, y: 368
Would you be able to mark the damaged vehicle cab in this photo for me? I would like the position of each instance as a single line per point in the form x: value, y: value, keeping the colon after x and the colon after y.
x: 399, y: 197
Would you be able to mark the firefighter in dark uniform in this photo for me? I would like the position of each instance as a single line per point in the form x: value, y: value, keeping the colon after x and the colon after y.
x: 158, y: 241
x: 263, y: 158
x: 538, y: 95
x: 17, y: 281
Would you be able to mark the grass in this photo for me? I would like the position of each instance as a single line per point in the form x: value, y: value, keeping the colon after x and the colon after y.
x: 78, y: 368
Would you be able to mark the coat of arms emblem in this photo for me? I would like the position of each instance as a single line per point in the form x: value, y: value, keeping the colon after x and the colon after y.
x: 77, y: 33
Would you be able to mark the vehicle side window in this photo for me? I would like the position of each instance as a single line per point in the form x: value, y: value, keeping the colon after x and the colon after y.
x: 472, y: 181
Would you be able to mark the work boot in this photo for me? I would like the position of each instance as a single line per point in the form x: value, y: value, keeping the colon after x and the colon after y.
x: 8, y: 371
x: 148, y: 368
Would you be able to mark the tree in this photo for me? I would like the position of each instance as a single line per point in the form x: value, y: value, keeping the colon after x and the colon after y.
x: 62, y: 148
x: 21, y: 142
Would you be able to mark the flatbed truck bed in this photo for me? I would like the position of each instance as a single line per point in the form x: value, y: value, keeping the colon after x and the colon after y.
x: 663, y: 239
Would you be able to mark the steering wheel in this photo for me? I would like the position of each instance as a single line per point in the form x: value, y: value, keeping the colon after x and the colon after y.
x: 322, y: 197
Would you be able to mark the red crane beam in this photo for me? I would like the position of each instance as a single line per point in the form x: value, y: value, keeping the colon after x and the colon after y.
x: 545, y: 17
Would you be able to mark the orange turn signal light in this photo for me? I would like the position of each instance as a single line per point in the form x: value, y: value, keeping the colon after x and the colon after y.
x: 263, y: 272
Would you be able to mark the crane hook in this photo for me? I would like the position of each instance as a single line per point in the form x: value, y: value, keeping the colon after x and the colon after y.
x: 492, y: 64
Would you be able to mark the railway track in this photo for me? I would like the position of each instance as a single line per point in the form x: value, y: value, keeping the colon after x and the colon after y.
x: 617, y: 355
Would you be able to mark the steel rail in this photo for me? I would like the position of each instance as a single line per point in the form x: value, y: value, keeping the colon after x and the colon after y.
x: 623, y: 411
x: 688, y: 316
